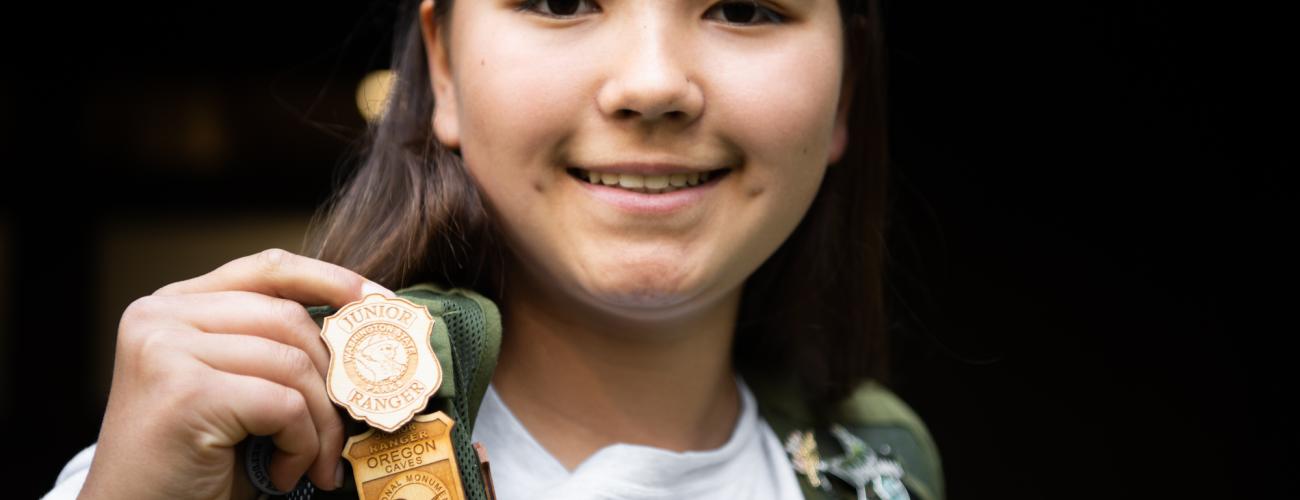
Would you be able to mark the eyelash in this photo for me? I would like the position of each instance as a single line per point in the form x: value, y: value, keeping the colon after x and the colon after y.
x: 770, y: 16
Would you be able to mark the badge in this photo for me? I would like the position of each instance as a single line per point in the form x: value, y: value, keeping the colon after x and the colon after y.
x: 861, y: 467
x: 381, y: 366
x: 803, y: 456
x: 415, y: 462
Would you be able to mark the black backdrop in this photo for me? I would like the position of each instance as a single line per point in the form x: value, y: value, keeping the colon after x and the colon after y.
x: 1089, y: 219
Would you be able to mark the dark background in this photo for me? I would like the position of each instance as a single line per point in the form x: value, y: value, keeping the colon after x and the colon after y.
x: 1089, y: 222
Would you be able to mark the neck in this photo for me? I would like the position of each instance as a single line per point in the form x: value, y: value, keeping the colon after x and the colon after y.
x: 580, y: 380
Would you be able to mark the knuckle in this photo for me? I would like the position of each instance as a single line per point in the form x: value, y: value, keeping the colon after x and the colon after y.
x: 168, y: 289
x: 152, y: 351
x: 141, y: 337
x: 289, y: 312
x: 140, y: 346
x: 295, y: 405
x: 140, y: 310
x: 294, y: 361
x: 273, y: 260
x: 153, y: 343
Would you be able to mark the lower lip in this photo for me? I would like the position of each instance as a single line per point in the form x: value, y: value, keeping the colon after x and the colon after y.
x: 646, y: 203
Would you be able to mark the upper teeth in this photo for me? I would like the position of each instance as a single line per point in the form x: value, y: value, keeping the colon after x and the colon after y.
x: 645, y: 183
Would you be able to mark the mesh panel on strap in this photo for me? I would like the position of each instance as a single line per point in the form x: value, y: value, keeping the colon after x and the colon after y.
x: 466, y: 323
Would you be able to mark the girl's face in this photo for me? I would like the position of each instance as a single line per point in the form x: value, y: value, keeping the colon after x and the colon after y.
x: 540, y: 94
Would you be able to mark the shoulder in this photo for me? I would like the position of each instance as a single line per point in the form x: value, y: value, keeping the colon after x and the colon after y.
x: 878, y: 416
x: 872, y: 415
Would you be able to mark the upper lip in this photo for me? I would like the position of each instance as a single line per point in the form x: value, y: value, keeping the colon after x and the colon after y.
x: 646, y: 168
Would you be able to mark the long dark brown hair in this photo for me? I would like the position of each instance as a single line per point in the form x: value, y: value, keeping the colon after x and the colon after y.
x: 411, y: 213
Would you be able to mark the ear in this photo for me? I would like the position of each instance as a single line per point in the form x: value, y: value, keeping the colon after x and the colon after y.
x: 446, y: 125
x: 840, y: 133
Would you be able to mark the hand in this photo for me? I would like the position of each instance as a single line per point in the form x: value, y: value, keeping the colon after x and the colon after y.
x: 201, y: 364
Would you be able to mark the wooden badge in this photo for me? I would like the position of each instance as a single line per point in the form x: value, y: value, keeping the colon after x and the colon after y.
x: 381, y: 366
x: 416, y: 462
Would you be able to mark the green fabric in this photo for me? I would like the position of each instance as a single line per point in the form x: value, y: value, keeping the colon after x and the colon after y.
x: 872, y: 413
x: 881, y: 419
x: 480, y: 331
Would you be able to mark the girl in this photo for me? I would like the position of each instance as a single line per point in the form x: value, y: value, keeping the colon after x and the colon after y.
x: 678, y: 206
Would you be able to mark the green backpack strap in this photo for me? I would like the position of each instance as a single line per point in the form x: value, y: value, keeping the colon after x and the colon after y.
x: 873, y: 414
x: 884, y: 421
x: 474, y: 326
x: 466, y: 338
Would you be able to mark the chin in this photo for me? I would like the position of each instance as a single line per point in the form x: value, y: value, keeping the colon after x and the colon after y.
x: 649, y: 289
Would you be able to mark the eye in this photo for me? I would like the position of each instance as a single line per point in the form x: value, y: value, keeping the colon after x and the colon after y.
x: 744, y: 12
x: 738, y: 12
x: 552, y: 8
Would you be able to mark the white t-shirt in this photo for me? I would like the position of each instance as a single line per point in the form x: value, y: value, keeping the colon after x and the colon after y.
x: 752, y: 464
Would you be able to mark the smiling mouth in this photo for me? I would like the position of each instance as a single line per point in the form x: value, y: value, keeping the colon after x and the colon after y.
x: 650, y: 184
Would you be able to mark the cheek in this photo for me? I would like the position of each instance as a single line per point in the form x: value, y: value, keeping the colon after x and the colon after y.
x: 787, y: 99
x: 514, y: 106
x: 787, y: 95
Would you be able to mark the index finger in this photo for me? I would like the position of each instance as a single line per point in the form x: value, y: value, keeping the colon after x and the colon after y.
x: 283, y: 274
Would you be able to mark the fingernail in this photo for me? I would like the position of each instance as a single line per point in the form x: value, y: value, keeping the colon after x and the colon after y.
x: 338, y: 476
x: 370, y: 287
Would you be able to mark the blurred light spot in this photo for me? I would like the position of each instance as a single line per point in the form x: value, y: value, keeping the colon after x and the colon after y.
x: 201, y: 136
x: 372, y: 94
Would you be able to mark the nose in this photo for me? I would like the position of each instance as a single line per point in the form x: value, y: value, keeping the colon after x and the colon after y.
x: 652, y: 80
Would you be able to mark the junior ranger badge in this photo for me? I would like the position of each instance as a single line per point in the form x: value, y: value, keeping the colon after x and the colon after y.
x: 381, y: 366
